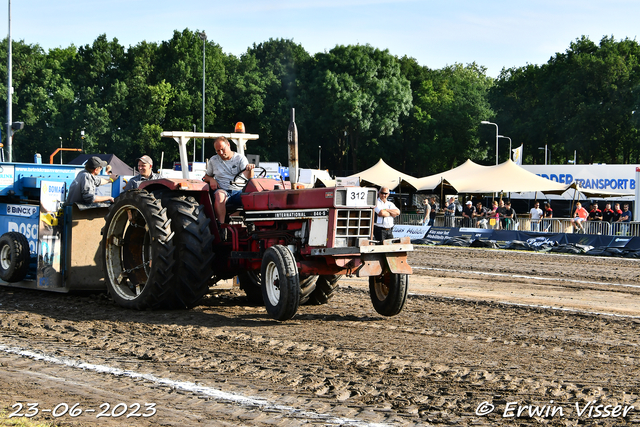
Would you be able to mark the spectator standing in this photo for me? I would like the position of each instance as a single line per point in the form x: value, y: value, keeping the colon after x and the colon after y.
x: 510, y: 217
x: 385, y: 212
x: 535, y: 214
x: 468, y: 214
x: 548, y: 214
x: 579, y: 217
x: 502, y: 212
x: 608, y: 213
x: 427, y: 212
x: 482, y: 215
x: 616, y: 212
x: 434, y: 211
x: 625, y: 219
x: 495, y: 215
x: 595, y: 214
x: 450, y: 212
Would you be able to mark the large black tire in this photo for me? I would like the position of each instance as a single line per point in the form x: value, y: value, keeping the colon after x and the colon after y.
x: 325, y: 289
x: 280, y: 283
x: 250, y: 283
x: 193, y: 257
x: 388, y: 293
x: 14, y: 257
x: 307, y: 286
x: 137, y: 254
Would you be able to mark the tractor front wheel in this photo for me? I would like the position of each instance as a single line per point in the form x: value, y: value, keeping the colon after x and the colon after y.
x: 280, y: 283
x: 388, y: 293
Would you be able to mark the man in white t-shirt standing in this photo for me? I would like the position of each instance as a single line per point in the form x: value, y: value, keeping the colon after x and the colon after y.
x: 385, y: 212
x: 221, y: 170
x: 535, y: 214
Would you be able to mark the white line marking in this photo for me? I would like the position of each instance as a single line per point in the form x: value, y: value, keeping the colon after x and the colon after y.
x: 190, y: 387
x: 519, y: 276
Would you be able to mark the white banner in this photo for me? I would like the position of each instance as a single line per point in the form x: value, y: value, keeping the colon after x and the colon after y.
x: 517, y: 155
x: 413, y: 231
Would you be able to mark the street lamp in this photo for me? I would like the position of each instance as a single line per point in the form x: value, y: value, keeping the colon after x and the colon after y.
x: 9, y: 91
x: 545, y: 153
x: 319, y: 155
x: 484, y: 122
x: 510, y: 152
x: 203, y: 36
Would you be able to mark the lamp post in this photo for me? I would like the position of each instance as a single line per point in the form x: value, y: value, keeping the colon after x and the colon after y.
x: 319, y: 155
x: 9, y: 91
x: 203, y: 36
x: 545, y: 153
x: 506, y: 137
x: 484, y: 122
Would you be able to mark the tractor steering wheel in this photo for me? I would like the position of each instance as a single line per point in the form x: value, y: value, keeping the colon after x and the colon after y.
x: 240, y: 180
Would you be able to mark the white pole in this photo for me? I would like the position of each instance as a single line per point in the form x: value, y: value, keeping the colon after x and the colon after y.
x: 9, y: 91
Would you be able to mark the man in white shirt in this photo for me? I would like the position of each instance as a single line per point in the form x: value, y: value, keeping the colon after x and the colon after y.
x: 535, y: 215
x: 221, y: 170
x: 385, y: 212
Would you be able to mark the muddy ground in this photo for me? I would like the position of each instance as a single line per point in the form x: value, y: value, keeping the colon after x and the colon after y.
x: 485, y: 335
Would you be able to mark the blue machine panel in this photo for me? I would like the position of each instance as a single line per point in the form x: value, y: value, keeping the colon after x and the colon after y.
x: 24, y: 219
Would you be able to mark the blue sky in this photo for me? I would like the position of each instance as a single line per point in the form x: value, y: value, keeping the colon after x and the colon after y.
x: 494, y: 34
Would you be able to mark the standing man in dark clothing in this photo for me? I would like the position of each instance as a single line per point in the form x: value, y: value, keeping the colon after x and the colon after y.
x: 608, y: 213
x: 468, y: 214
x: 595, y: 214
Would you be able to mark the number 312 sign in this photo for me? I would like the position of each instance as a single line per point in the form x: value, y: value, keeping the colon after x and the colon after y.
x: 356, y: 196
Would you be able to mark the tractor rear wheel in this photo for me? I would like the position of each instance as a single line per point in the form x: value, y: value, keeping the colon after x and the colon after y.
x: 307, y: 286
x: 280, y: 283
x: 193, y: 257
x: 388, y: 293
x: 137, y: 253
x: 14, y: 257
x: 250, y: 283
x: 326, y: 286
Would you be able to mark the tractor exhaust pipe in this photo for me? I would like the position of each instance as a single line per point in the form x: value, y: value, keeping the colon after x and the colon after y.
x: 292, y: 140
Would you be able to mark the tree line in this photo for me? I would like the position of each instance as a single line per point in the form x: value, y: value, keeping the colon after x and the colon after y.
x: 358, y: 103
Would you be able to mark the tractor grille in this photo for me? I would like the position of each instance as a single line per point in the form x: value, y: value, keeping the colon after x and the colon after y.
x: 353, y: 225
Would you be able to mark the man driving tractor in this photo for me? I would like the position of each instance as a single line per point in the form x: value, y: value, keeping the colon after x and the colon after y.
x: 221, y: 172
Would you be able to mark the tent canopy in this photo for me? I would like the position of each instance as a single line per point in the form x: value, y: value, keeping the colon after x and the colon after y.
x: 117, y: 166
x: 383, y: 175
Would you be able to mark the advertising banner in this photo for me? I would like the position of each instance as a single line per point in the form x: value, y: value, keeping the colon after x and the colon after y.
x: 50, y: 242
x: 413, y: 231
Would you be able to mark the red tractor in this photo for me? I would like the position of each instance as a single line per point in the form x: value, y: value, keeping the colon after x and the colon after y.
x: 288, y: 246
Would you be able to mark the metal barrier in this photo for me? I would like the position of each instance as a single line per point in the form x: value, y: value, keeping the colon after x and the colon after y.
x: 408, y: 219
x: 547, y: 225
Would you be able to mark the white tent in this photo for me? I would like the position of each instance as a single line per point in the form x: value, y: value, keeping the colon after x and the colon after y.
x: 383, y: 175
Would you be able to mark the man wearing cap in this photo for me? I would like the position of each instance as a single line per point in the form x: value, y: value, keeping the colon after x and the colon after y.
x: 83, y: 188
x: 145, y: 169
x: 468, y: 213
x: 385, y: 212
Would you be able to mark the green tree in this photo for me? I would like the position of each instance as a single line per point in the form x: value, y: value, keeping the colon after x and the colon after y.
x: 579, y: 100
x: 358, y: 95
x: 449, y: 106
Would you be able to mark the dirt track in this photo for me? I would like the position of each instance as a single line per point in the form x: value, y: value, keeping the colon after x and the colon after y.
x: 506, y: 328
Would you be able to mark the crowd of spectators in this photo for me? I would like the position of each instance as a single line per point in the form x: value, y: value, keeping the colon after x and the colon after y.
x: 501, y: 216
